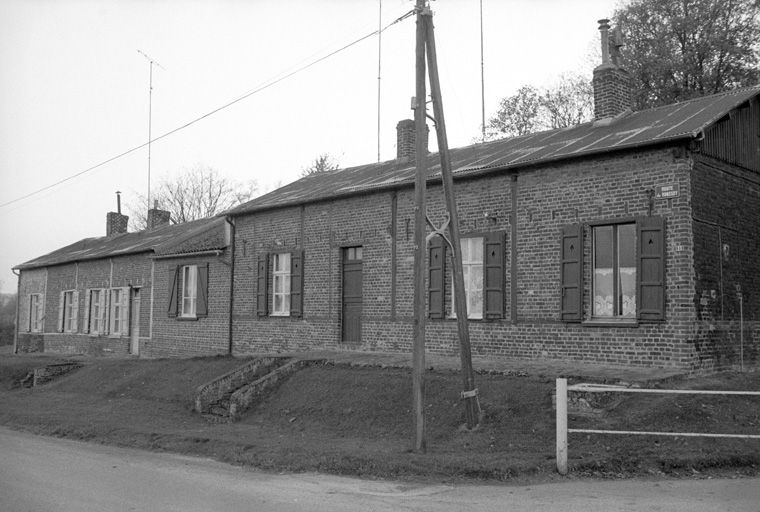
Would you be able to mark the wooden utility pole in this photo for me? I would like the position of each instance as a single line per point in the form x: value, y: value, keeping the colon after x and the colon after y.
x: 420, y: 244
x: 472, y: 408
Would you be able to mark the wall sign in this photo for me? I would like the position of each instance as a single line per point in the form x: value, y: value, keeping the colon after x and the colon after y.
x: 666, y: 191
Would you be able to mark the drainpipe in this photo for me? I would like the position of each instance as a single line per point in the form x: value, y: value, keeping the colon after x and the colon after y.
x: 231, y: 223
x: 18, y: 309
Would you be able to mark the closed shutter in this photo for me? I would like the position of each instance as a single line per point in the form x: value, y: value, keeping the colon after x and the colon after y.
x: 86, y: 323
x: 261, y: 288
x: 74, y: 310
x: 61, y: 304
x: 651, y: 268
x: 436, y: 278
x: 174, y: 293
x: 571, y: 273
x: 29, y: 323
x: 296, y: 284
x: 494, y: 275
x: 201, y: 305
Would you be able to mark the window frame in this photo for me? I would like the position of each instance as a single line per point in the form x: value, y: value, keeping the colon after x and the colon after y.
x: 617, y: 307
x: 69, y: 313
x: 282, y: 275
x: 97, y: 307
x: 112, y: 309
x: 189, y: 271
x: 470, y: 264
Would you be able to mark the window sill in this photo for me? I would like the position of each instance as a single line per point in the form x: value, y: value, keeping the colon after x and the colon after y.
x: 187, y: 318
x: 611, y: 322
x: 279, y: 315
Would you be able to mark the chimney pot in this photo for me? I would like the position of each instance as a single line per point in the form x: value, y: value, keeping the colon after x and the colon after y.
x: 612, y: 83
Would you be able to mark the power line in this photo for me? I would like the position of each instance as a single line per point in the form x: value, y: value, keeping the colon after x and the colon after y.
x: 258, y: 89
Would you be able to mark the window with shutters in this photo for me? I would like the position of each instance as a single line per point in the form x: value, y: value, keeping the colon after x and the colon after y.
x: 627, y: 274
x: 189, y: 290
x: 614, y: 271
x: 69, y: 311
x: 472, y: 268
x: 116, y: 313
x: 35, y: 312
x: 281, y: 284
x: 96, y: 311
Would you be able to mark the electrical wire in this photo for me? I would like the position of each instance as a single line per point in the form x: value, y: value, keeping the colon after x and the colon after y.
x: 258, y: 89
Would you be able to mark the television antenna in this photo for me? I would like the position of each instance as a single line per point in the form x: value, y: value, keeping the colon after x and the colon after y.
x: 152, y: 62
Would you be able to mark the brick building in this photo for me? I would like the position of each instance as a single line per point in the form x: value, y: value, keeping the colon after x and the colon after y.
x: 111, y: 295
x: 627, y: 240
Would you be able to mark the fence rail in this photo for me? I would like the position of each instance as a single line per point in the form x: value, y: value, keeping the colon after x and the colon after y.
x: 561, y: 412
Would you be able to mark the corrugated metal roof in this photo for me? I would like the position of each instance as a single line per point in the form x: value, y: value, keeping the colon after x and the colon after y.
x: 195, y: 236
x: 647, y: 127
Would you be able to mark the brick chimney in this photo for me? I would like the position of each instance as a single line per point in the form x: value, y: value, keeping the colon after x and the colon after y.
x: 116, y: 223
x: 406, y: 140
x: 157, y: 217
x: 612, y: 83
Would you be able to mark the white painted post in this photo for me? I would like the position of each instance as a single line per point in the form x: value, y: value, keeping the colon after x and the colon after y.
x: 561, y: 408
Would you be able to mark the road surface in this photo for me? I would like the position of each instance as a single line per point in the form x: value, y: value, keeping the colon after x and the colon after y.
x: 47, y: 474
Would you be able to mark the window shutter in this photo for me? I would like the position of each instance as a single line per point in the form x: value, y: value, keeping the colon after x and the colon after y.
x: 107, y: 311
x: 74, y: 310
x: 86, y: 324
x: 651, y: 268
x: 571, y: 273
x: 103, y: 311
x: 493, y: 275
x: 29, y: 322
x: 261, y: 289
x: 436, y: 275
x: 296, y: 284
x: 201, y: 305
x: 125, y: 302
x: 61, y: 301
x: 174, y: 293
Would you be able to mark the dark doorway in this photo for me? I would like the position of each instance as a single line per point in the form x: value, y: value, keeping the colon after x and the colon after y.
x: 352, y: 295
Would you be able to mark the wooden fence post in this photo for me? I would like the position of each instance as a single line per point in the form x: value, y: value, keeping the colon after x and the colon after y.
x: 561, y: 408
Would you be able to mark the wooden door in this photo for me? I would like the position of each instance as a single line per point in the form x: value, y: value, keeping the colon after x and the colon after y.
x: 352, y: 295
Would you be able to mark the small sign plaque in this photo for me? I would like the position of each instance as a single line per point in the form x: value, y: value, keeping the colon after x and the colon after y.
x: 666, y: 191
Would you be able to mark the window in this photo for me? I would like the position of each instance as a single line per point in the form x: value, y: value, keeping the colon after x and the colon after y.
x: 118, y: 311
x: 472, y: 268
x: 614, y: 271
x: 35, y: 312
x: 281, y: 284
x: 68, y: 308
x: 189, y: 290
x: 627, y: 271
x: 483, y: 272
x: 95, y: 311
x: 284, y: 270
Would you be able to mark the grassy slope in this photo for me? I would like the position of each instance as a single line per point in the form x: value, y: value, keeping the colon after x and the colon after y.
x: 358, y: 421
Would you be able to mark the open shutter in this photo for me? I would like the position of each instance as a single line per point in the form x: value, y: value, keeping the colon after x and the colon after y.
x: 651, y: 268
x: 571, y: 273
x: 74, y: 311
x: 493, y: 274
x: 86, y: 323
x: 201, y: 305
x: 61, y: 301
x: 296, y: 284
x: 125, y: 303
x: 261, y: 288
x: 106, y: 311
x: 29, y: 319
x: 436, y: 278
x: 174, y: 293
x: 103, y: 310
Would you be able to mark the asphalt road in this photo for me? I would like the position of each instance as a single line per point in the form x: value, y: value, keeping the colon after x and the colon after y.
x: 47, y: 474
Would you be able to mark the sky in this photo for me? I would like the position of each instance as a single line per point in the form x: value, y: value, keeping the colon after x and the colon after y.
x: 74, y: 92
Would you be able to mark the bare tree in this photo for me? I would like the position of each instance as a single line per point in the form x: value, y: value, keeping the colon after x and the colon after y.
x: 322, y: 163
x: 196, y: 193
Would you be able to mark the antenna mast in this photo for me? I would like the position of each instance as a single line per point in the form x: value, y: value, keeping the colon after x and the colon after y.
x: 150, y: 109
x: 379, y: 61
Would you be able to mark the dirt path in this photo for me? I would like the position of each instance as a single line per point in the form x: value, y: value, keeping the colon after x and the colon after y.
x: 40, y: 473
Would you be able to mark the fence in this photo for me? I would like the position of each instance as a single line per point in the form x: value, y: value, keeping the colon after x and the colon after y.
x: 561, y: 411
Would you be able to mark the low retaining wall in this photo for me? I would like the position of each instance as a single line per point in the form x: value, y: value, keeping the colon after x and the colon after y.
x: 213, y: 391
x: 47, y: 373
x: 245, y: 397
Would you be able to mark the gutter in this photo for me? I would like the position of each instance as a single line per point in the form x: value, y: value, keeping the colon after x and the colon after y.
x: 214, y: 252
x: 231, y: 222
x: 18, y: 310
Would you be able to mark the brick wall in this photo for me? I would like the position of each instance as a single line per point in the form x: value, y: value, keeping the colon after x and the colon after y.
x: 595, y: 189
x: 176, y: 337
x: 726, y: 204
